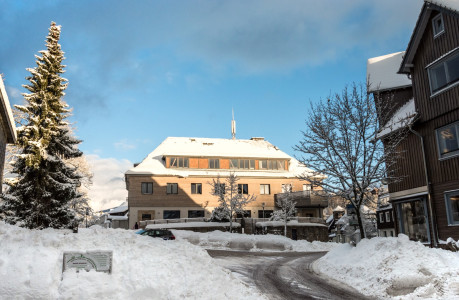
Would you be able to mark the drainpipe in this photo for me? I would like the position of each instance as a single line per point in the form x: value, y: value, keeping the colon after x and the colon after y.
x: 429, y: 197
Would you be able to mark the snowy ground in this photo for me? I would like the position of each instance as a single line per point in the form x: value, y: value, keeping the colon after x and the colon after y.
x: 394, y: 268
x: 143, y: 267
x: 147, y: 268
x: 227, y: 241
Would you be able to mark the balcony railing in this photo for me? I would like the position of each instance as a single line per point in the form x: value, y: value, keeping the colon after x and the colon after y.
x: 305, y: 199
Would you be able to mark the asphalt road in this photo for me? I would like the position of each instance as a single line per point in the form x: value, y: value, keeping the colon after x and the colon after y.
x: 283, y: 275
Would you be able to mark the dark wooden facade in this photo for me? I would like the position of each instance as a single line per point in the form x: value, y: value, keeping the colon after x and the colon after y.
x: 433, y: 111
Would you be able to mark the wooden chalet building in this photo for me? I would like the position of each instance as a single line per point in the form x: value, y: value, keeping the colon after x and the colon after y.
x: 426, y: 202
x: 174, y: 181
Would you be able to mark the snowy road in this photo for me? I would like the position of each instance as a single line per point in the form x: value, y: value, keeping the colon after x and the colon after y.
x: 282, y: 275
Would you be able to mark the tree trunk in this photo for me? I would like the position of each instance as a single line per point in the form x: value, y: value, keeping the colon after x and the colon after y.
x: 362, y: 230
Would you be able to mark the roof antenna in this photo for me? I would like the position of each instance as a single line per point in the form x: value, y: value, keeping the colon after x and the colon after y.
x: 233, y: 127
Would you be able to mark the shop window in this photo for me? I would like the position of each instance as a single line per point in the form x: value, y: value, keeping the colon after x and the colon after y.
x: 195, y: 214
x: 171, y: 214
x: 413, y: 220
x: 146, y: 217
x: 265, y: 213
x: 452, y: 207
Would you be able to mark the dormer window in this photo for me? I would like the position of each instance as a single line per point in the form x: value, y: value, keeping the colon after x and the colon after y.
x: 179, y: 162
x: 438, y: 25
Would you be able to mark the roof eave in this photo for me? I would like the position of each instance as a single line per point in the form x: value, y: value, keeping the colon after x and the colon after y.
x: 415, y: 39
x: 7, y: 115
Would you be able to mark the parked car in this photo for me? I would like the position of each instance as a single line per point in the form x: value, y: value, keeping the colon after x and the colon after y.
x: 157, y: 233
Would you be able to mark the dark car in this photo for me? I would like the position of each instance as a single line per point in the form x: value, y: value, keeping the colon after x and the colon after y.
x: 157, y: 233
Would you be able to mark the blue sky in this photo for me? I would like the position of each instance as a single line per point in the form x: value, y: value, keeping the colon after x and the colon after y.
x: 140, y: 71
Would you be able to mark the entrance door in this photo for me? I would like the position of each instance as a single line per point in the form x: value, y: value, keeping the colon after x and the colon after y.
x: 294, y: 235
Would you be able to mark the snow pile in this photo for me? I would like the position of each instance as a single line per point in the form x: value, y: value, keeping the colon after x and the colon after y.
x: 192, y: 225
x: 394, y: 267
x: 143, y: 267
x: 270, y: 242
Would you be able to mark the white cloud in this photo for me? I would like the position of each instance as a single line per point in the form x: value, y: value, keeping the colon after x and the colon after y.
x: 14, y: 94
x: 124, y: 145
x: 108, y: 188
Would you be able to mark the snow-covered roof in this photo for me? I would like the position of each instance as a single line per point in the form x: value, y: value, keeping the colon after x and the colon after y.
x: 403, y: 117
x: 382, y: 72
x: 119, y: 209
x: 7, y: 114
x: 449, y: 4
x: 117, y: 218
x: 338, y: 208
x: 154, y: 164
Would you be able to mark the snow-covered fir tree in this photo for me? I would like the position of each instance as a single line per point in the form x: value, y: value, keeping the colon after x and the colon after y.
x: 46, y: 186
x: 286, y: 210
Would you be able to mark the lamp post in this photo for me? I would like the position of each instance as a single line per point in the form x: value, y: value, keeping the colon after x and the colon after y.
x: 263, y: 206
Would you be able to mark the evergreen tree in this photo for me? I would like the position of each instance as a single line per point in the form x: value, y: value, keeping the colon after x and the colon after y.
x: 42, y: 194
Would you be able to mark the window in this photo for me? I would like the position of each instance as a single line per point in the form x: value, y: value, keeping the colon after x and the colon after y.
x: 381, y: 217
x: 448, y: 140
x: 413, y: 219
x: 146, y: 217
x: 172, y: 188
x: 196, y: 188
x: 263, y: 164
x: 214, y: 163
x: 271, y: 164
x: 444, y: 73
x: 179, y: 162
x: 147, y: 188
x: 195, y: 214
x: 387, y: 216
x: 438, y: 25
x: 264, y: 189
x: 265, y: 214
x: 247, y: 214
x: 452, y: 207
x: 242, y: 164
x: 219, y: 189
x: 243, y: 189
x: 306, y: 187
x: 171, y: 214
x: 286, y: 188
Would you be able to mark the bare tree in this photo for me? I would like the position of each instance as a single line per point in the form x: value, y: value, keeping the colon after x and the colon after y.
x: 341, y: 141
x: 286, y: 211
x: 229, y: 196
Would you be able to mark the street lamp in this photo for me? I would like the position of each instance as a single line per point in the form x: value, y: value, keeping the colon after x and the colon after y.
x: 263, y: 205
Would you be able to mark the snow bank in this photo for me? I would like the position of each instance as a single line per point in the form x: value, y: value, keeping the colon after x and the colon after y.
x: 143, y: 267
x: 225, y: 240
x: 192, y: 225
x: 394, y: 267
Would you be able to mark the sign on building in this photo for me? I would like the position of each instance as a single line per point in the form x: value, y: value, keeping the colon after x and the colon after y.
x: 101, y: 261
